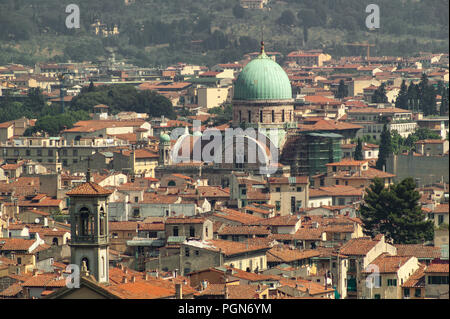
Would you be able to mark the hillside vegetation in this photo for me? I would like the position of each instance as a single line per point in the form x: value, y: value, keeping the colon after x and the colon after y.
x: 160, y: 32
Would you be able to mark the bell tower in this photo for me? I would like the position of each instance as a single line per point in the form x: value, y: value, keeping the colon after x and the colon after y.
x: 89, y: 228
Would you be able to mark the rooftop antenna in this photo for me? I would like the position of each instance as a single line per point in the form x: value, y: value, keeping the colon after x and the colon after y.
x: 88, y: 172
x: 262, y: 39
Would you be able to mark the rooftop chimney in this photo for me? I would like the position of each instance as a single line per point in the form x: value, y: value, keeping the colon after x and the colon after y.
x: 178, y: 291
x: 133, y: 279
x: 124, y: 279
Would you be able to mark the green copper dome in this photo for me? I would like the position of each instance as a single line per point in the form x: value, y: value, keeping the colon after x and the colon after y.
x: 262, y: 79
x: 164, y: 138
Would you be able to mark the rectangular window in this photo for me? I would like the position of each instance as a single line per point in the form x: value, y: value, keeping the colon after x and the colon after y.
x: 406, y: 292
x: 278, y: 205
x: 175, y: 231
x: 278, y: 189
x: 392, y: 282
x: 28, y: 152
x: 418, y: 293
x: 299, y: 189
x: 292, y: 204
x: 186, y: 252
x: 39, y: 152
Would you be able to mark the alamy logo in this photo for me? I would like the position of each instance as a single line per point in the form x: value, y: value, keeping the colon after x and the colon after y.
x: 73, y: 19
x: 73, y: 280
x: 373, y: 19
x: 373, y: 280
x: 238, y: 146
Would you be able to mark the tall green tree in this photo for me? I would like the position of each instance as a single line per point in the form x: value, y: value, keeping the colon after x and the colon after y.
x: 342, y: 90
x: 427, y: 96
x: 287, y: 18
x: 359, y: 151
x: 379, y: 95
x: 395, y: 212
x: 385, y: 148
x: 444, y: 92
x: 402, y: 98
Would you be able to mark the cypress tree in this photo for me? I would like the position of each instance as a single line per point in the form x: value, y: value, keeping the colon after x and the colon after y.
x: 359, y: 151
x: 342, y: 90
x: 380, y: 95
x: 402, y: 98
x: 385, y: 148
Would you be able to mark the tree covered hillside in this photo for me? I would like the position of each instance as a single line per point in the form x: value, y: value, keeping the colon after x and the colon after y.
x: 159, y: 32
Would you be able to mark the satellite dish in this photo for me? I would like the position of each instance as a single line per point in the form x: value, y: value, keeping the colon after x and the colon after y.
x: 36, y: 221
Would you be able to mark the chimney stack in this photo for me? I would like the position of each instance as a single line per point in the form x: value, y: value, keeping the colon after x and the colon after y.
x: 178, y: 291
x: 124, y: 279
x: 133, y: 279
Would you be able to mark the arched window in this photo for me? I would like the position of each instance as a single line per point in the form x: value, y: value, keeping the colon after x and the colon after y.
x: 282, y: 115
x: 192, y: 231
x: 102, y: 222
x: 55, y: 241
x: 273, y: 116
x: 84, y: 221
x: 103, y: 274
x: 261, y: 116
x: 85, y: 260
x: 240, y: 116
x: 249, y: 116
x: 171, y: 183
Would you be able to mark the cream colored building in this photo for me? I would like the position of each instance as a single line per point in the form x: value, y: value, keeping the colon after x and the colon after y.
x: 393, y: 272
x: 213, y: 97
x: 289, y: 194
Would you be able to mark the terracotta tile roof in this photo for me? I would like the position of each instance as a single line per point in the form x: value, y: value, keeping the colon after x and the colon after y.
x: 342, y: 190
x: 152, y: 288
x: 124, y: 226
x: 234, y: 291
x: 339, y: 229
x: 89, y: 188
x: 419, y: 251
x: 12, y: 290
x: 287, y: 220
x: 313, y: 192
x: 227, y: 247
x: 156, y: 226
x: 348, y: 162
x: 17, y: 244
x: 249, y: 276
x: 237, y: 216
x: 284, y: 254
x: 175, y: 220
x: 430, y: 142
x: 256, y: 210
x: 139, y: 290
x: 286, y: 180
x: 6, y: 261
x: 301, y: 234
x: 151, y: 198
x: 306, y: 286
x: 370, y: 173
x: 441, y: 209
x: 388, y: 264
x: 437, y: 268
x: 328, y: 125
x: 376, y: 110
x: 244, y: 230
x: 358, y: 246
x: 45, y: 280
x: 417, y: 279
